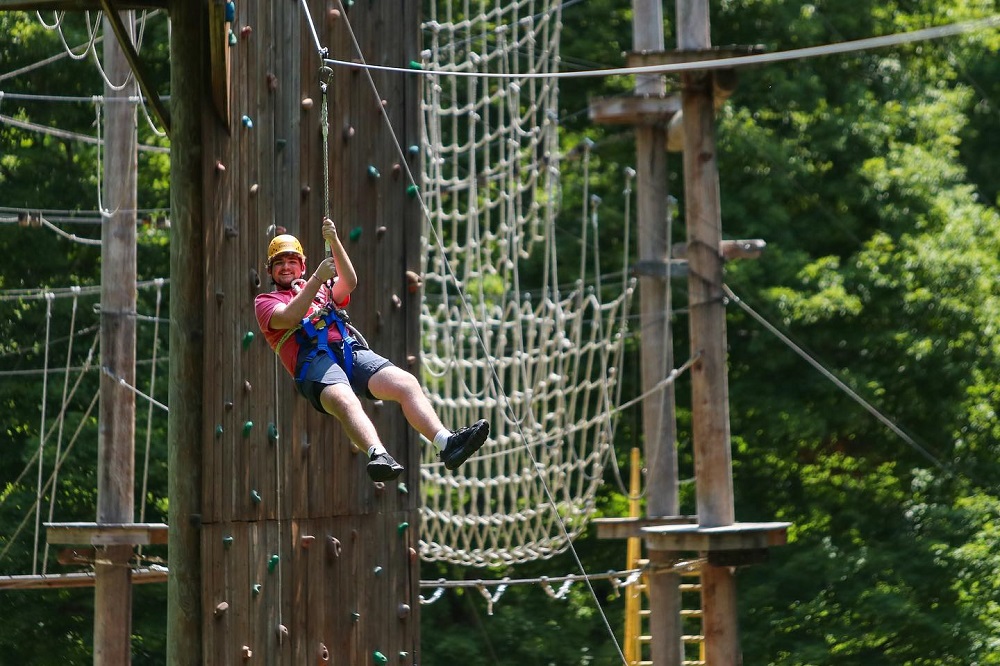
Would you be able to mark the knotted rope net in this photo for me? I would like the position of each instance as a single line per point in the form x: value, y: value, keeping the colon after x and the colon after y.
x: 538, y: 362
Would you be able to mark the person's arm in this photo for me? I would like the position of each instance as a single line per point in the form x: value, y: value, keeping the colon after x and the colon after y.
x: 289, y: 316
x: 347, y: 279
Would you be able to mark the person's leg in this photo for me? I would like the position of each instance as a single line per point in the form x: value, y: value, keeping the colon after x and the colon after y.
x: 392, y: 383
x: 340, y: 401
x: 397, y: 385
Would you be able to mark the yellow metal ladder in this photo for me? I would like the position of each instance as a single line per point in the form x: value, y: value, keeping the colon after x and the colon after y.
x: 637, y: 638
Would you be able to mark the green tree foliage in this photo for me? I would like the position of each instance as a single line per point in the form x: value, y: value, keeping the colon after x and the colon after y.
x: 43, y: 171
x: 882, y: 264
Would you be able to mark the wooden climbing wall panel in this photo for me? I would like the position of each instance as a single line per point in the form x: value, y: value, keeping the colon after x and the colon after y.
x: 304, y: 559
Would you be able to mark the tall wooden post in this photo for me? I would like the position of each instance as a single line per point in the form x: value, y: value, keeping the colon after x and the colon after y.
x: 116, y: 466
x: 659, y: 424
x: 188, y: 75
x: 709, y: 383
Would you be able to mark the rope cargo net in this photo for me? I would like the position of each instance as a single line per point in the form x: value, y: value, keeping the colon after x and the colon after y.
x: 540, y: 365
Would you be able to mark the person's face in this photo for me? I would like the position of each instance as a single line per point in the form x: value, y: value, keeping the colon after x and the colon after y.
x: 287, y: 268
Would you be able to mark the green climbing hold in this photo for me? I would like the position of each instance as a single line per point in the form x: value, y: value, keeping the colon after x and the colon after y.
x: 377, y: 570
x: 379, y: 657
x: 401, y: 528
x: 355, y: 616
x: 403, y: 490
x: 272, y: 432
x: 412, y: 191
x: 373, y: 172
x: 256, y: 589
x: 232, y: 38
x: 255, y: 496
x: 247, y: 339
x: 218, y: 431
x: 415, y: 65
x: 227, y: 541
x: 247, y: 427
x: 355, y: 234
x: 272, y: 563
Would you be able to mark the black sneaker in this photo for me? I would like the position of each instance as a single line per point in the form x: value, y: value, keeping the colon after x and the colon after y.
x: 464, y: 442
x: 383, y: 468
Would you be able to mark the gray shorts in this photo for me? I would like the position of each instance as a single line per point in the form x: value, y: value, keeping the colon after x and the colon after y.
x: 323, y: 371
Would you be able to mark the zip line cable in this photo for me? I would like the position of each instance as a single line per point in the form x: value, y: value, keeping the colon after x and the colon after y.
x: 884, y: 420
x: 852, y: 46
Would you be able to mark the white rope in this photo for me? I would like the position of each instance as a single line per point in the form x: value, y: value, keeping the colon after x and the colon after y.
x: 42, y: 490
x: 99, y: 163
x: 59, y: 56
x: 149, y: 409
x: 72, y: 136
x: 35, y: 456
x: 617, y: 579
x: 61, y: 423
x: 41, y: 435
x: 66, y: 292
x: 73, y: 237
x: 124, y: 383
x: 129, y: 76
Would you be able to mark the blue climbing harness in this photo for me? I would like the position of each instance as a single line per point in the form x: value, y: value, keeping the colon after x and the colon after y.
x: 309, y: 332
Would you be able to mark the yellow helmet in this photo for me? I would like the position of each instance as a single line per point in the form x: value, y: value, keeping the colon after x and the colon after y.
x: 284, y: 244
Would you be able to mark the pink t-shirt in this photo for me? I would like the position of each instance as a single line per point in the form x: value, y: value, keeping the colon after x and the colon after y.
x: 264, y: 306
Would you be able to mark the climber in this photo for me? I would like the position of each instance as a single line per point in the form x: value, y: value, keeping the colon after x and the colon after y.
x: 305, y: 323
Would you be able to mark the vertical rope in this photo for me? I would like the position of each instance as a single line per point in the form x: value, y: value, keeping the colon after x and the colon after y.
x: 49, y: 297
x: 100, y: 161
x: 149, y: 413
x: 62, y: 421
x: 325, y: 74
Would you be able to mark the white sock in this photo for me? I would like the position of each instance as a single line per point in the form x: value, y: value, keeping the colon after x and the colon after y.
x: 375, y: 450
x: 441, y: 439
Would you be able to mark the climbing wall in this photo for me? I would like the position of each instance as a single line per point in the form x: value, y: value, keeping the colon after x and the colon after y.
x: 304, y: 559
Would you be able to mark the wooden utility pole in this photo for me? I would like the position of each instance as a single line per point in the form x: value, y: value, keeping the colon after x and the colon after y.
x: 707, y: 321
x: 719, y: 542
x: 659, y: 423
x: 188, y: 78
x: 116, y: 425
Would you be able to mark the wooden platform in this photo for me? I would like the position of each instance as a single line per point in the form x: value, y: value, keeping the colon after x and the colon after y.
x: 683, y: 533
x: 107, y: 534
x: 628, y: 528
x: 738, y: 536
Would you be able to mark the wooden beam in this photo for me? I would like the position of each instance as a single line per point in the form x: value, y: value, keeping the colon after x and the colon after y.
x: 750, y: 248
x: 626, y: 528
x: 132, y: 56
x: 644, y: 110
x: 737, y: 536
x: 81, y: 579
x: 76, y: 5
x: 107, y: 534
